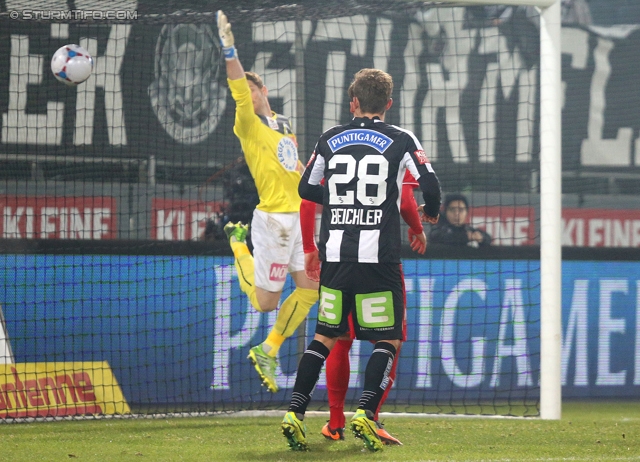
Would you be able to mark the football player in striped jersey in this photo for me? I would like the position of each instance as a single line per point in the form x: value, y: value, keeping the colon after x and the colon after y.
x: 337, y: 365
x: 362, y: 164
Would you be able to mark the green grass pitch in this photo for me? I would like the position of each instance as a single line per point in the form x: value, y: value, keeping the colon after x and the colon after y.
x: 608, y: 431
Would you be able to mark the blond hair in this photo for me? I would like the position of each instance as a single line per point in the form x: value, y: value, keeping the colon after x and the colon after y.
x: 255, y: 78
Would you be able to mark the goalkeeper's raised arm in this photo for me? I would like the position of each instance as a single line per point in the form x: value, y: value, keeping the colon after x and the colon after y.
x: 234, y: 67
x: 271, y: 152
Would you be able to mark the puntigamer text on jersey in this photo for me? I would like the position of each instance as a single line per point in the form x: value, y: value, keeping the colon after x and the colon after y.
x: 371, y: 138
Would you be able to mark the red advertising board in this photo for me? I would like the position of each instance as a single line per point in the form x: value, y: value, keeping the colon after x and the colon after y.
x: 508, y: 225
x: 51, y: 217
x: 181, y: 220
x: 600, y: 228
x: 581, y: 227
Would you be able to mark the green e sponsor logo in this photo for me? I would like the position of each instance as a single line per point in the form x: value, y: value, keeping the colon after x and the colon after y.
x: 330, y: 307
x: 375, y: 310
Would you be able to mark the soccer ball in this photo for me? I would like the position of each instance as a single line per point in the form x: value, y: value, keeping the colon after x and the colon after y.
x: 71, y: 64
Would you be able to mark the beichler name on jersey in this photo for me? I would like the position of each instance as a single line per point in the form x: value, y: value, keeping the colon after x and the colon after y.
x: 370, y: 138
x: 356, y: 217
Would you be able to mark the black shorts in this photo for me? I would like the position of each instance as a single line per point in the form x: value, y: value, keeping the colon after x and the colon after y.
x: 372, y: 292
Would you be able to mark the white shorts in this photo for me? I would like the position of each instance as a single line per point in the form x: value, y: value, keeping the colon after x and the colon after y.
x: 277, y: 248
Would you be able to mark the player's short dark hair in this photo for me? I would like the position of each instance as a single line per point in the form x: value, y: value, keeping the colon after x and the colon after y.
x: 373, y: 89
x: 449, y: 198
x: 255, y: 78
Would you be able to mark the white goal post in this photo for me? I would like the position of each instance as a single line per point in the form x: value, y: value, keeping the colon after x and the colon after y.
x: 550, y: 201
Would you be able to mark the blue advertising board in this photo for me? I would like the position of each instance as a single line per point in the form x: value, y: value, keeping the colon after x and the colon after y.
x: 178, y: 329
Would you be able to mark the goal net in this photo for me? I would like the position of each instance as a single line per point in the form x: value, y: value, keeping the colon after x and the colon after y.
x: 120, y: 294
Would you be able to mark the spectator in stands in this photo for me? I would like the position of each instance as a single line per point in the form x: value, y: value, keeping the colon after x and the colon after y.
x: 453, y: 228
x: 576, y: 12
x: 240, y: 194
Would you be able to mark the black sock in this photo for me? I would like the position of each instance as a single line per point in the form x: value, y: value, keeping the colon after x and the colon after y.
x: 308, y: 372
x: 376, y: 376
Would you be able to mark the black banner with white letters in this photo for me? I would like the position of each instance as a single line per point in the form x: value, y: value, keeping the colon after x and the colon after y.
x: 468, y: 90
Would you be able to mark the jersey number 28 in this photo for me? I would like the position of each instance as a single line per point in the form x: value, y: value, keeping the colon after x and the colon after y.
x: 358, y: 169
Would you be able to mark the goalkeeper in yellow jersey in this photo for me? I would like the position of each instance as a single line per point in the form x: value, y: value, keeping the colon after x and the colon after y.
x: 270, y: 150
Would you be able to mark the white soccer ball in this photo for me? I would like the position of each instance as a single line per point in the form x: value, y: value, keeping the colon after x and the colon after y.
x: 71, y: 64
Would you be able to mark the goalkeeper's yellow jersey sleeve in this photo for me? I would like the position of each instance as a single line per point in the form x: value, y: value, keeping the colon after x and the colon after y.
x: 271, y: 155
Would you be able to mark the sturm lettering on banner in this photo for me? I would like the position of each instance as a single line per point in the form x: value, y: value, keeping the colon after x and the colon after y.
x: 486, y: 67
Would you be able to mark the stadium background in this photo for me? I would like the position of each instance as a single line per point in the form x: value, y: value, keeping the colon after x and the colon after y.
x: 111, y: 184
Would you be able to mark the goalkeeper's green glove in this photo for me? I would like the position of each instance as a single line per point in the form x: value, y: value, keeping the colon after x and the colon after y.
x: 226, y: 36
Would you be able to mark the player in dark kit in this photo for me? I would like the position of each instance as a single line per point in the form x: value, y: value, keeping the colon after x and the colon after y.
x: 337, y: 364
x: 363, y: 164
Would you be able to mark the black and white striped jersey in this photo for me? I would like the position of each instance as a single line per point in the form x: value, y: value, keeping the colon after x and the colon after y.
x: 363, y: 164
